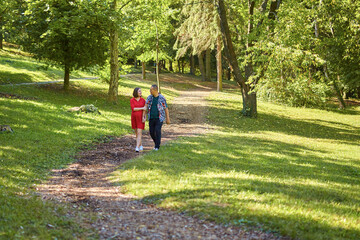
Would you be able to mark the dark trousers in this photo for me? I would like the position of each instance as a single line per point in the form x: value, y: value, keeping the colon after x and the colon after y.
x: 155, y: 131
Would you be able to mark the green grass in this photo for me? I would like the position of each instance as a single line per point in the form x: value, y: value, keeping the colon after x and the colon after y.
x: 17, y: 68
x: 293, y: 171
x: 47, y: 137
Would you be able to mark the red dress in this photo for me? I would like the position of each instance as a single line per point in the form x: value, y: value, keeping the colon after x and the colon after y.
x: 136, y: 116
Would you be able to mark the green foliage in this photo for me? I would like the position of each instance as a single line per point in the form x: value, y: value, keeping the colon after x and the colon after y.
x: 11, y: 18
x: 292, y: 171
x: 292, y: 78
x: 309, y: 37
x: 199, y: 28
x: 67, y: 33
x: 339, y: 34
x: 151, y: 20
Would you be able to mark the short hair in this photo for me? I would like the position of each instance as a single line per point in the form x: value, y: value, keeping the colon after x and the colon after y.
x: 135, y: 93
x: 155, y: 87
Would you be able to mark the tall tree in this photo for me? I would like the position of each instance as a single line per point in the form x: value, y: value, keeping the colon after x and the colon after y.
x: 338, y: 32
x: 114, y: 56
x: 254, y: 67
x: 117, y: 19
x: 208, y: 65
x: 219, y: 63
x: 67, y: 34
x: 152, y: 31
x: 311, y: 49
x: 249, y: 100
x: 198, y: 33
x: 11, y: 15
x: 4, y: 9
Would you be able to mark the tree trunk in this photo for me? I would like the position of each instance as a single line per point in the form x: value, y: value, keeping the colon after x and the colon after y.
x: 338, y: 94
x: 249, y: 100
x: 1, y: 40
x: 157, y: 58
x: 201, y: 66
x: 273, y: 7
x: 208, y: 65
x: 219, y: 65
x: 1, y: 34
x: 66, y: 66
x: 192, y: 65
x: 250, y: 105
x: 336, y: 89
x: 179, y: 65
x: 249, y: 66
x: 66, y: 77
x: 182, y: 65
x: 114, y: 62
x: 229, y: 73
x: 143, y: 70
x: 171, y: 66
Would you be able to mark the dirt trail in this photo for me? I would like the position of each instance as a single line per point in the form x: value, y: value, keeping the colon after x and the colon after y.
x: 121, y: 216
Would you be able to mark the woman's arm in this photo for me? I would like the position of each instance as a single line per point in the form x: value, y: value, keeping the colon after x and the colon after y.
x: 144, y: 116
x: 139, y: 109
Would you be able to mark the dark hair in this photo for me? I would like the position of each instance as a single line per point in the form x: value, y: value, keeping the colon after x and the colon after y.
x: 155, y: 87
x: 135, y: 93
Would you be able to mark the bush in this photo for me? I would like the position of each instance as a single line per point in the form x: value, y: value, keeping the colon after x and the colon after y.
x: 299, y: 92
x: 294, y: 77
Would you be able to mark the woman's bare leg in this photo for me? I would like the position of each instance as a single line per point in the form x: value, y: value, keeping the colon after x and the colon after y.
x: 138, y: 137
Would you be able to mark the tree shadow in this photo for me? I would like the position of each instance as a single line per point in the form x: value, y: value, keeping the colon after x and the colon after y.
x: 308, y: 128
x: 297, y: 226
x: 46, y: 136
x: 285, y: 173
x: 9, y: 77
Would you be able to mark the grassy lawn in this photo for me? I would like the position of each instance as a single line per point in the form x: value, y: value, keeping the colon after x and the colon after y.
x: 16, y: 67
x: 293, y: 171
x: 47, y: 137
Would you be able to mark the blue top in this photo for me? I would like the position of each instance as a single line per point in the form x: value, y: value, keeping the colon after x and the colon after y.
x: 154, y: 111
x: 160, y: 106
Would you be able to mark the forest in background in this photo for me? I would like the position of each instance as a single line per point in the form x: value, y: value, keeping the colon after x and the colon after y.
x: 292, y: 171
x: 301, y: 53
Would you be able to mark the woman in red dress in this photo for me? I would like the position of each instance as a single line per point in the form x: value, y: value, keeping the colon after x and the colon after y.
x: 138, y: 117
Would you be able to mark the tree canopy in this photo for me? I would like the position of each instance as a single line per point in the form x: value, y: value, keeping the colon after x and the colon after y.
x: 294, y: 52
x: 68, y: 34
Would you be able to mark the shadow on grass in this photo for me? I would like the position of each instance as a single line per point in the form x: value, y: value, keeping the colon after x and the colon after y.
x: 9, y: 77
x: 297, y: 226
x: 46, y: 136
x: 232, y: 170
x: 308, y: 128
x: 318, y: 181
x: 34, y: 68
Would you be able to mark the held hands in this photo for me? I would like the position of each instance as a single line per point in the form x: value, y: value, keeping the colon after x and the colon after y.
x: 144, y: 119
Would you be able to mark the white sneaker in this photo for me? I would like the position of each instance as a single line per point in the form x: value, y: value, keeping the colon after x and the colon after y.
x: 141, y: 148
x: 155, y: 149
x: 136, y: 149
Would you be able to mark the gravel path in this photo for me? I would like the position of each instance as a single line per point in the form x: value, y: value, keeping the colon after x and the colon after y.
x: 122, y: 216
